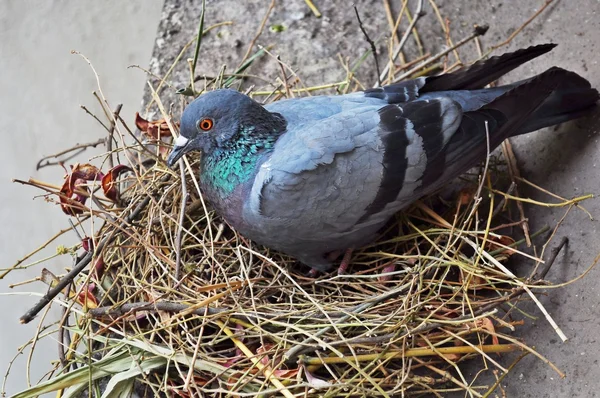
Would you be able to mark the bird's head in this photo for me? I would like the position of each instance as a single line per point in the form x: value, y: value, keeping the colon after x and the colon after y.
x: 214, y: 119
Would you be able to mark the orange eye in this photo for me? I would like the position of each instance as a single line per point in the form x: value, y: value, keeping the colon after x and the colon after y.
x: 205, y: 124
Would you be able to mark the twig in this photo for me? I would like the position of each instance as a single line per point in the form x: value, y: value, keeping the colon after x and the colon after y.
x: 265, y: 369
x: 163, y: 80
x: 111, y: 131
x: 313, y: 8
x: 94, y: 116
x: 63, y: 333
x: 371, y: 43
x: 502, y: 203
x: 521, y: 179
x: 502, y: 268
x: 553, y: 256
x: 79, y: 148
x: 573, y: 201
x: 258, y: 33
x: 40, y: 248
x: 478, y: 31
x: 288, y: 92
x: 445, y: 27
x: 513, y: 171
x: 198, y: 40
x: 417, y: 15
x: 537, y: 233
x: 390, y: 19
x: 519, y: 29
x: 132, y: 308
x: 415, y: 352
x: 184, y: 198
x: 499, y: 380
x: 83, y: 262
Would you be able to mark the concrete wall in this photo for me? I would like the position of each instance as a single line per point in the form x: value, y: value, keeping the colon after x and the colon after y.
x: 41, y: 88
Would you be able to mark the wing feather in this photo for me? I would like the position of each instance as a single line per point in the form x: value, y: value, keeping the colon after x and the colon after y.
x: 353, y: 168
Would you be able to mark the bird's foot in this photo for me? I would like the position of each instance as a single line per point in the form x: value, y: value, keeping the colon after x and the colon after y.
x: 387, y: 269
x: 345, y: 261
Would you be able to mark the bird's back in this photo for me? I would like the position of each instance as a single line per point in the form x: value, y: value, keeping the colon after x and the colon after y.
x: 346, y: 163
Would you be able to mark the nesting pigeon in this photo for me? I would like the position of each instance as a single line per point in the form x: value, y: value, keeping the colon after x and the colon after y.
x: 311, y: 176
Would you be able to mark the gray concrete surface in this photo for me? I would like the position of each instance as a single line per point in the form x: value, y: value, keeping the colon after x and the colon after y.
x: 42, y: 86
x: 564, y: 160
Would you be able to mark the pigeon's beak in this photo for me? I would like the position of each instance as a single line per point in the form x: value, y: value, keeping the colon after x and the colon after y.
x: 179, y: 149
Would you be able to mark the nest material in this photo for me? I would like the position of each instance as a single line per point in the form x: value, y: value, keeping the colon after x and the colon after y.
x: 417, y: 304
x: 177, y: 303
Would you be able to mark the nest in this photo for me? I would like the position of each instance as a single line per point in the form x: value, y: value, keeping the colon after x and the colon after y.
x: 176, y: 303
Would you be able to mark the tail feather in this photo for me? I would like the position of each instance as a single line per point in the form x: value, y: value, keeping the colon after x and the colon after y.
x: 573, y: 97
x: 483, y: 72
x: 514, y: 111
x: 473, y: 77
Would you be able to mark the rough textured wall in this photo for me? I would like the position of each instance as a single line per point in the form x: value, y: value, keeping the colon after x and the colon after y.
x: 565, y: 161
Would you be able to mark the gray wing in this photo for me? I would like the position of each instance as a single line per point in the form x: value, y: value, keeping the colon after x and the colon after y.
x: 356, y: 167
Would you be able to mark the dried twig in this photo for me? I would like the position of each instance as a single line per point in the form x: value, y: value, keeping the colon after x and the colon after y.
x: 111, y: 131
x: 313, y: 8
x: 184, y: 199
x: 478, y: 31
x: 417, y: 15
x: 520, y: 28
x: 515, y: 174
x: 79, y: 148
x: 258, y: 33
x: 371, y: 43
x: 84, y: 261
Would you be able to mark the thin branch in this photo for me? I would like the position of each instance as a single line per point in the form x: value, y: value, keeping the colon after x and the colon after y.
x: 79, y: 148
x: 94, y: 116
x: 414, y: 352
x: 167, y: 306
x: 83, y: 262
x: 313, y: 8
x: 371, y: 43
x: 184, y: 198
x: 111, y: 132
x: 518, y: 30
x: 478, y: 31
x: 258, y: 33
x: 418, y: 14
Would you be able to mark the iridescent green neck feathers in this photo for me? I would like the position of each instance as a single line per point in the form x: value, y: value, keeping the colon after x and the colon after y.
x: 234, y: 163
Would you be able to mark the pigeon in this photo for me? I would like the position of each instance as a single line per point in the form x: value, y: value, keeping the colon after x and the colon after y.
x: 319, y: 175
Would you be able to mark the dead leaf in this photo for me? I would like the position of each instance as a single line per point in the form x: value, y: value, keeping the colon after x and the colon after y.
x: 315, y: 382
x: 486, y: 323
x: 153, y: 129
x: 99, y: 267
x: 74, y: 191
x: 87, y: 244
x: 109, y: 182
x: 86, y: 297
x: 504, y: 240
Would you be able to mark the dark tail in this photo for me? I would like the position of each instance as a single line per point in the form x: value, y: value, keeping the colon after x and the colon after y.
x: 572, y: 98
x: 473, y: 77
x: 483, y: 72
x: 551, y: 97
